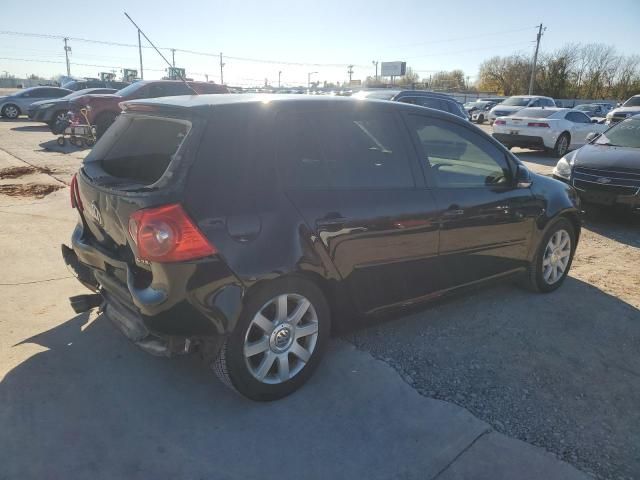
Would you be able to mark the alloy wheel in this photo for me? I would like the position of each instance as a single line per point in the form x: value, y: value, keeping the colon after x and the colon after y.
x: 11, y: 112
x: 563, y: 145
x: 281, y: 338
x: 556, y: 257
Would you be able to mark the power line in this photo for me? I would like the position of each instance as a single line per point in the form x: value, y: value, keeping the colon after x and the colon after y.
x: 445, y: 40
x: 467, y: 50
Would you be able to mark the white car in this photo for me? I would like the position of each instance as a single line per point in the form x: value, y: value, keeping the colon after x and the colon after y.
x: 516, y: 103
x: 556, y: 130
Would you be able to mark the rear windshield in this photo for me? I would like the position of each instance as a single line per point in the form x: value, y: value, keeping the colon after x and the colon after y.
x: 535, y: 113
x: 139, y: 148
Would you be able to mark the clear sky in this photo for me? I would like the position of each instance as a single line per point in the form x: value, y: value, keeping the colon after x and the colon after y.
x: 430, y: 36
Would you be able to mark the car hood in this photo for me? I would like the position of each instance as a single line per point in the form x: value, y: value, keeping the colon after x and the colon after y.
x: 604, y: 157
x: 506, y: 108
x: 627, y: 110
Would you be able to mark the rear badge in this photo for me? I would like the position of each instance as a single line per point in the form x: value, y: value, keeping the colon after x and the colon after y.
x: 95, y: 213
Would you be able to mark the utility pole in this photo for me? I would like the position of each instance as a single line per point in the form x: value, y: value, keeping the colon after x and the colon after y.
x: 221, y: 73
x: 350, y: 72
x: 140, y: 53
x: 67, y: 49
x: 173, y: 57
x: 535, y: 59
x: 375, y: 62
x: 309, y: 79
x: 279, y: 74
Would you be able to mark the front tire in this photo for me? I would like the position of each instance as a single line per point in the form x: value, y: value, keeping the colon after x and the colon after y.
x: 553, y: 257
x: 280, y: 337
x: 10, y: 111
x: 562, y: 145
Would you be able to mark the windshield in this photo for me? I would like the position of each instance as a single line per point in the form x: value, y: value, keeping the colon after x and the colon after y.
x: 130, y: 89
x: 632, y: 102
x: 535, y: 113
x: 623, y: 134
x: 586, y: 108
x: 517, y: 101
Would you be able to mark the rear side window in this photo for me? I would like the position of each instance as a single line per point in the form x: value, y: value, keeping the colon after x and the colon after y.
x: 139, y: 148
x: 342, y: 150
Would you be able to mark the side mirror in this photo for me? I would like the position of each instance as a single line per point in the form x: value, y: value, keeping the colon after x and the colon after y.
x: 592, y: 136
x: 523, y: 177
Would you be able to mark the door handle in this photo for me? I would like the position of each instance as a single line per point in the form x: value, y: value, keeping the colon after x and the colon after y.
x: 453, y: 212
x: 331, y: 223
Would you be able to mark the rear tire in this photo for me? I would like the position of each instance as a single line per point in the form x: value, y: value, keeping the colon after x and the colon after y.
x: 262, y: 358
x: 103, y: 122
x: 480, y: 119
x: 553, y: 258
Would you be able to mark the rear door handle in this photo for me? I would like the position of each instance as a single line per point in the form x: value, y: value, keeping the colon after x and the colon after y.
x: 453, y: 212
x: 331, y: 223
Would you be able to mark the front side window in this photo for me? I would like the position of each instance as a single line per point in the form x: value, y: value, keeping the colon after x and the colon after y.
x: 342, y: 150
x: 457, y: 157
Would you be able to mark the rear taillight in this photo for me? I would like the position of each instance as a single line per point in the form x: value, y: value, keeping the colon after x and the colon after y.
x: 75, y: 194
x: 538, y: 124
x: 167, y: 234
x: 500, y: 122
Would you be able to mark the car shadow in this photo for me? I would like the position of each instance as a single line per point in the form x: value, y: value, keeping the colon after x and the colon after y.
x: 91, y: 404
x: 31, y: 128
x: 617, y: 224
x: 53, y: 146
x: 558, y: 370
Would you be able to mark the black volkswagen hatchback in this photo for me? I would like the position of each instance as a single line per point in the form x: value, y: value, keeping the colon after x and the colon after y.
x: 250, y: 227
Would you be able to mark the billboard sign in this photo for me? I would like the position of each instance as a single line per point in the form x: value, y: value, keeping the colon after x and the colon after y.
x: 393, y: 69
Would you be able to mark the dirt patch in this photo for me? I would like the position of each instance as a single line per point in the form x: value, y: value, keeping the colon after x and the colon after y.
x: 17, y: 172
x: 37, y: 190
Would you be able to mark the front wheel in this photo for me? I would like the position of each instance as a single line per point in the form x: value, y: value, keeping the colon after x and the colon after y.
x: 277, y: 344
x: 562, y: 146
x: 553, y: 258
x: 11, y: 111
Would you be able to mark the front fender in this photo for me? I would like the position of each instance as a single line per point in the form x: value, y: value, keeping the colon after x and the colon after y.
x: 558, y: 199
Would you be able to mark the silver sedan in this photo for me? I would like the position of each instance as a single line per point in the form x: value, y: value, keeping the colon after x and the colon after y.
x: 16, y: 104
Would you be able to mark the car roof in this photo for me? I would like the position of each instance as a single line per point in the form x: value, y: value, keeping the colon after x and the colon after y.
x: 209, y: 101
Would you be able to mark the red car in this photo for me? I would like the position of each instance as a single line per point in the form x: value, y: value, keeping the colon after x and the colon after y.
x: 102, y: 109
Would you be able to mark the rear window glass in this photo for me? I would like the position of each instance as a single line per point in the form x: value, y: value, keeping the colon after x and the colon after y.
x: 535, y: 113
x: 139, y: 148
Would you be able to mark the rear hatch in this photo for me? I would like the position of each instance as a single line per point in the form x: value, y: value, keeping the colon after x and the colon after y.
x: 139, y: 163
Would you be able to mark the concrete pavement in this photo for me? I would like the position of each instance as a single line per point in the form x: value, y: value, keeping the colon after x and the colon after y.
x: 77, y: 400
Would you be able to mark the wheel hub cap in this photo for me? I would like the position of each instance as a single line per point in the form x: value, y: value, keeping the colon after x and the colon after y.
x: 281, y: 339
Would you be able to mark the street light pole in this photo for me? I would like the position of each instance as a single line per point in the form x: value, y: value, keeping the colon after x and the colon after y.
x: 279, y: 74
x: 375, y: 62
x: 309, y: 79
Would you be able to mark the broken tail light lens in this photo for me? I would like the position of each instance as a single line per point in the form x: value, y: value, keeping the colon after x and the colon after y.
x: 167, y: 234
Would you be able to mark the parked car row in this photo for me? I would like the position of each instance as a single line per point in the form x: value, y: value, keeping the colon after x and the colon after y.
x: 16, y: 104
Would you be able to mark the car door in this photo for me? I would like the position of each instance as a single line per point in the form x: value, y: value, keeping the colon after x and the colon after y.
x: 580, y: 127
x: 486, y: 221
x: 352, y: 175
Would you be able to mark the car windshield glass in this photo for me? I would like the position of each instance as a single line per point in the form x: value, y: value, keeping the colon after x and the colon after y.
x: 585, y: 108
x: 535, y: 113
x: 632, y: 102
x: 623, y: 134
x: 128, y: 90
x: 517, y: 101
